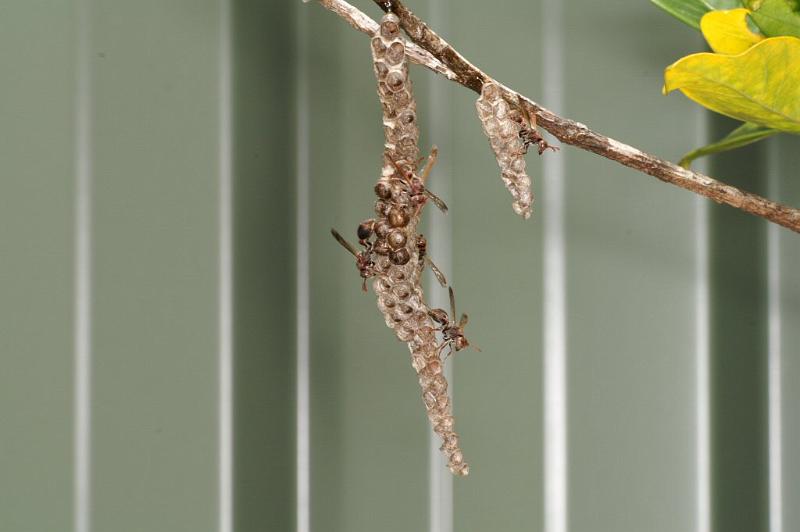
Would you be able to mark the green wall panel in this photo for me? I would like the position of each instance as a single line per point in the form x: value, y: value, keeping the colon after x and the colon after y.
x: 784, y: 162
x: 739, y: 328
x: 155, y: 141
x: 37, y: 97
x: 264, y: 303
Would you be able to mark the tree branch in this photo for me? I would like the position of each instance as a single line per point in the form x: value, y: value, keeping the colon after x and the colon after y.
x: 436, y: 54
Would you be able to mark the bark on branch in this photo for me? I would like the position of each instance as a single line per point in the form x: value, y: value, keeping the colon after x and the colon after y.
x: 436, y: 54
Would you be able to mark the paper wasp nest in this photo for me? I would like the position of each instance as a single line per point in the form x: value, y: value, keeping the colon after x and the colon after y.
x: 502, y: 123
x: 398, y: 264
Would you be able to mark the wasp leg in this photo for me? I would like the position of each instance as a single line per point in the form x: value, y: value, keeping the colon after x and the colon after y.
x: 449, y: 352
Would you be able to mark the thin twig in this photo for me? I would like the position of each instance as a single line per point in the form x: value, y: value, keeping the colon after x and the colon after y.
x: 456, y: 68
x: 364, y: 24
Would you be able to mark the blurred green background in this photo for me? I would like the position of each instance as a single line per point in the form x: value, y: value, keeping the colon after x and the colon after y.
x: 185, y: 348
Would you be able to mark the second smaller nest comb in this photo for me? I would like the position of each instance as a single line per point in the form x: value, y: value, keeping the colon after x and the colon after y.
x: 502, y: 123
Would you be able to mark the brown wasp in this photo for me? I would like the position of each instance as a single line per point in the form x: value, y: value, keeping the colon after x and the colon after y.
x: 529, y: 134
x: 364, y: 263
x: 452, y: 332
x: 419, y: 194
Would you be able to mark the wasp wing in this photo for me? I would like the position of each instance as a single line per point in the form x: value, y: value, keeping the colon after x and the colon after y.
x: 436, y: 201
x: 345, y: 244
x: 436, y: 271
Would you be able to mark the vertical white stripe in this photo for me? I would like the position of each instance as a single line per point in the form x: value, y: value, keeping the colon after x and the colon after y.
x: 774, y: 350
x: 83, y: 274
x: 303, y: 279
x: 440, y: 480
x: 225, y: 273
x: 702, y: 344
x: 555, y: 327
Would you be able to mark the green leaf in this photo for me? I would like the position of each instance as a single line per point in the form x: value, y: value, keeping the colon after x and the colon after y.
x: 743, y: 135
x: 776, y: 17
x: 760, y: 85
x: 687, y: 11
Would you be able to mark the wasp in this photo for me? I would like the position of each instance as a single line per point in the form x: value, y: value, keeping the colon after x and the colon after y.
x: 364, y: 262
x: 452, y: 332
x: 530, y: 136
x: 528, y: 133
x: 418, y: 193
